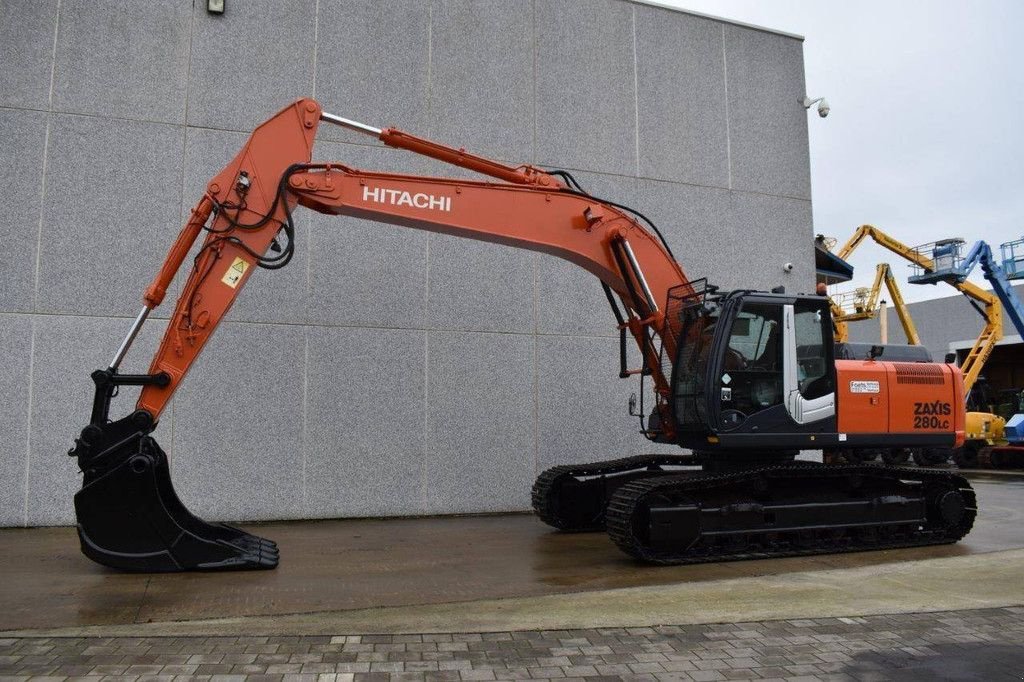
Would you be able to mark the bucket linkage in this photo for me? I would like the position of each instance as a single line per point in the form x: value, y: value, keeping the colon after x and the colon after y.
x: 129, y: 516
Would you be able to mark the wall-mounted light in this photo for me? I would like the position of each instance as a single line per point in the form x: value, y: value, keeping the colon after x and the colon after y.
x: 215, y: 6
x: 822, y: 103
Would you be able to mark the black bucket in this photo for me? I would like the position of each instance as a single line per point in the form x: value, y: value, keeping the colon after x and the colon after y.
x: 131, y: 519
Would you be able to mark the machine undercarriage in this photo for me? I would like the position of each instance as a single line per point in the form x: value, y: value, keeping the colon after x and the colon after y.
x: 659, y: 513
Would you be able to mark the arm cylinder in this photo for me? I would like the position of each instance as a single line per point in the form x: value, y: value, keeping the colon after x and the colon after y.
x: 158, y: 289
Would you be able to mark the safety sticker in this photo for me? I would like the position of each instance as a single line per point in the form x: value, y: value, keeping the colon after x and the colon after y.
x: 864, y: 387
x: 235, y: 272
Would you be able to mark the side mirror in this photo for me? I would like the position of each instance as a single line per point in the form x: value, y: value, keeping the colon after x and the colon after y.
x: 950, y: 358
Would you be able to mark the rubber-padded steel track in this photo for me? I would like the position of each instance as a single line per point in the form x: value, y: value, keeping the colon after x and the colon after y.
x: 547, y: 502
x: 632, y: 501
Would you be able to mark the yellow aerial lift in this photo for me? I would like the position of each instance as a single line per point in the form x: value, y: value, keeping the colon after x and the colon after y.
x: 862, y: 304
x: 982, y: 428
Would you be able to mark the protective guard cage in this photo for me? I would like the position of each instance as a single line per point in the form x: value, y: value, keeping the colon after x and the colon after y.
x: 685, y: 320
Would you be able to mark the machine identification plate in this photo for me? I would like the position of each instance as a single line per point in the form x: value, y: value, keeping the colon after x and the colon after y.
x: 864, y: 387
x: 235, y: 272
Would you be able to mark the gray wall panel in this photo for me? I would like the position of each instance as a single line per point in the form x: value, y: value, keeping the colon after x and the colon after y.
x: 774, y: 231
x: 108, y: 211
x: 681, y: 98
x: 735, y: 239
x: 21, y: 169
x: 480, y: 441
x: 26, y: 52
x: 361, y: 272
x: 695, y: 222
x: 138, y: 69
x: 581, y: 408
x: 365, y: 422
x: 767, y: 128
x: 479, y: 287
x: 586, y: 103
x: 238, y: 417
x: 487, y: 108
x: 373, y: 61
x: 250, y: 62
x: 15, y: 347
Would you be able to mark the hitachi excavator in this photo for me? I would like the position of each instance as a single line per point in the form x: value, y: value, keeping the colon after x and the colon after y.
x: 744, y: 379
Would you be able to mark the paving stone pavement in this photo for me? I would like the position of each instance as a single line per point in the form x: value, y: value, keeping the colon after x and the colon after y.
x: 957, y: 645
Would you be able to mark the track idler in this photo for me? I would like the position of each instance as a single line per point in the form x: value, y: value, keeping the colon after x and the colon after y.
x: 130, y: 518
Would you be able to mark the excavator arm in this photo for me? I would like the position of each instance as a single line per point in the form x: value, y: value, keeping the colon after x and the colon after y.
x: 246, y: 214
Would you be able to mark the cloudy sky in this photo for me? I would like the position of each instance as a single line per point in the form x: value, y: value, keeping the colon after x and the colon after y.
x: 926, y: 134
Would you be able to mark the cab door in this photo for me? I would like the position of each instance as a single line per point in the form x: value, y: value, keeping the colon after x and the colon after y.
x: 808, y: 365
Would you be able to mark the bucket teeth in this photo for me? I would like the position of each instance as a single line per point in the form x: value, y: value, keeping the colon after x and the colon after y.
x: 130, y: 518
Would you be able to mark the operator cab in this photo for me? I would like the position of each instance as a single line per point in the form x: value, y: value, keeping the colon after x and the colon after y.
x: 754, y: 370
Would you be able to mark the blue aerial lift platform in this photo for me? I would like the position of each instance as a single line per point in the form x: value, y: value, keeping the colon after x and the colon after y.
x: 951, y: 265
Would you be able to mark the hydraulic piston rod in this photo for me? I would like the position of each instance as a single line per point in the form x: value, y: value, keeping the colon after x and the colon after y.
x: 128, y: 340
x: 350, y: 124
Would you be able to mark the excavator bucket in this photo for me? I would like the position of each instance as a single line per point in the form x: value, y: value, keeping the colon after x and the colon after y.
x: 129, y: 516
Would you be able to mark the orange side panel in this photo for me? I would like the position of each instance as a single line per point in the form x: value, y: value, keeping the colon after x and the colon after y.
x: 862, y: 395
x: 921, y: 397
x: 900, y: 397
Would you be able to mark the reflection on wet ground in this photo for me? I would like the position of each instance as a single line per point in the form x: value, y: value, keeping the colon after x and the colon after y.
x: 348, y: 564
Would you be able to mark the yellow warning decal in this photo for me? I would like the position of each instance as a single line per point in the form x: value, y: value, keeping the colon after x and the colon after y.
x: 235, y: 272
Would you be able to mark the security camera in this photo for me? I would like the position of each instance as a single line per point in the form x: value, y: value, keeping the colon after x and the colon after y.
x: 788, y: 267
x: 822, y: 103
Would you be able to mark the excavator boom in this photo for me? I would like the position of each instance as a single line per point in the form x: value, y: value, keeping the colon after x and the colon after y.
x: 530, y: 209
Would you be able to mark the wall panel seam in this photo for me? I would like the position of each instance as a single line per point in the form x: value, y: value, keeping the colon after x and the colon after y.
x: 53, y: 55
x: 728, y: 138
x: 28, y: 420
x: 636, y: 103
x: 533, y: 46
x: 424, y: 468
x: 316, y: 42
x: 430, y: 68
x: 305, y: 420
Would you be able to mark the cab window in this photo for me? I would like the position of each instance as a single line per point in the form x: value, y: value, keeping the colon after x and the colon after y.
x: 812, y: 350
x: 751, y: 376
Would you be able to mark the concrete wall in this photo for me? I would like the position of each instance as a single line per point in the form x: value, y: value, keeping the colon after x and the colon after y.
x: 385, y: 371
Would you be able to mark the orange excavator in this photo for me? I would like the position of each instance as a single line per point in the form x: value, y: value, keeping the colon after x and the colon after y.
x: 744, y: 379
